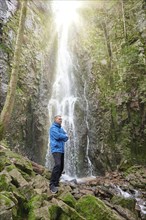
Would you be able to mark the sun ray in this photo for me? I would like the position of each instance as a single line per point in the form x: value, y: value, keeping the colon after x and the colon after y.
x: 66, y: 12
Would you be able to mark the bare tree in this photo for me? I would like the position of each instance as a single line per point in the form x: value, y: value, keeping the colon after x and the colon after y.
x: 124, y: 20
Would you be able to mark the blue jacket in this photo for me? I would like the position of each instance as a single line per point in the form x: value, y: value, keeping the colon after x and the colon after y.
x: 57, y: 138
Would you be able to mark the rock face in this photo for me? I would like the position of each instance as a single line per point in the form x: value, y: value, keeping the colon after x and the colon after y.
x: 28, y: 129
x: 25, y: 194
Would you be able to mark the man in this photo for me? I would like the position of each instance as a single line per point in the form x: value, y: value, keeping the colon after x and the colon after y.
x: 58, y: 137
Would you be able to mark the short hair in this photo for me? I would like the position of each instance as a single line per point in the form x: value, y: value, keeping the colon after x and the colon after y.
x: 57, y: 116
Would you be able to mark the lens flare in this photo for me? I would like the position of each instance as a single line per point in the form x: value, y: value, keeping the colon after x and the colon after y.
x: 66, y: 12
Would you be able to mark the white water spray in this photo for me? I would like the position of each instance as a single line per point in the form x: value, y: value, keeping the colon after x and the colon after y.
x: 64, y: 96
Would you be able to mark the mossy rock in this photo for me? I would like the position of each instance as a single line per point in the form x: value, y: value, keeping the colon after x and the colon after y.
x: 128, y: 203
x: 92, y: 208
x: 40, y: 213
x: 35, y: 201
x: 20, y: 162
x: 46, y: 174
x: 65, y: 211
x: 6, y: 214
x: 40, y: 182
x: 10, y: 167
x: 28, y: 192
x: 4, y: 161
x: 5, y: 181
x: 36, y: 210
x: 132, y: 169
x: 26, y: 176
x: 8, y: 202
x: 10, y: 196
x: 55, y: 212
x: 18, y: 194
x: 68, y: 199
x: 17, y: 178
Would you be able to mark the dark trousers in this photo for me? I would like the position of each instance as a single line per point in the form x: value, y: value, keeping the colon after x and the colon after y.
x: 58, y: 168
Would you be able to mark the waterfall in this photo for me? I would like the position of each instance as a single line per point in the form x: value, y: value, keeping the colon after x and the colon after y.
x: 86, y: 119
x: 137, y: 195
x: 64, y: 100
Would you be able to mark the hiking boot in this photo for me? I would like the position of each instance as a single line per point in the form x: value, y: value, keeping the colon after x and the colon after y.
x: 53, y: 189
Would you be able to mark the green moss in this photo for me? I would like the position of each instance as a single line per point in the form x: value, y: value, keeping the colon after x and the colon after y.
x: 26, y: 176
x: 63, y: 216
x: 74, y: 215
x: 128, y: 203
x: 4, y: 161
x: 92, y: 208
x: 46, y: 174
x: 1, y: 131
x: 4, y: 143
x: 125, y: 164
x: 10, y: 167
x: 55, y: 212
x: 10, y: 196
x: 35, y: 201
x: 130, y: 170
x: 5, y: 182
x: 68, y: 199
x: 8, y: 202
x: 19, y: 161
x: 5, y: 201
x: 33, y: 205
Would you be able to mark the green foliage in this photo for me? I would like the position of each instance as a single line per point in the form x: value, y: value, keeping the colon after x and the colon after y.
x: 119, y: 75
x: 5, y: 143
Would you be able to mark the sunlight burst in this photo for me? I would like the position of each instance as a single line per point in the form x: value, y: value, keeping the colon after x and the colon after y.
x: 66, y: 12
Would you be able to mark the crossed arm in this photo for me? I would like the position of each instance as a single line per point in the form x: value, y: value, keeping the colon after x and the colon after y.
x: 58, y: 135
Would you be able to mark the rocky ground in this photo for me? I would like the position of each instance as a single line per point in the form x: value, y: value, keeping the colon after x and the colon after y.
x: 25, y: 194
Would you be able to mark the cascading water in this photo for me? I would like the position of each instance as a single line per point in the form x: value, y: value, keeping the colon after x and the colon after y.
x: 137, y: 195
x: 64, y: 96
x: 87, y: 149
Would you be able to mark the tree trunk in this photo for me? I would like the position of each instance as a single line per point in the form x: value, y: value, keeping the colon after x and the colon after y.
x: 10, y: 98
x: 107, y: 39
x: 124, y: 21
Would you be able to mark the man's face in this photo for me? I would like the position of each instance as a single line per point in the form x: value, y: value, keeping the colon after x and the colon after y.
x: 58, y: 120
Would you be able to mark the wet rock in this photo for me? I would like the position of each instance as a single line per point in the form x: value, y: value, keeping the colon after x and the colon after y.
x: 128, y: 203
x: 8, y: 204
x: 126, y: 213
x: 68, y: 198
x: 5, y: 180
x: 93, y: 208
x: 29, y: 194
x: 69, y: 211
x: 40, y: 183
x: 17, y: 178
x: 36, y: 210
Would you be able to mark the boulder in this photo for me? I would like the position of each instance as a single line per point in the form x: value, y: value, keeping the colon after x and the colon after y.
x: 8, y: 204
x: 128, y: 203
x: 67, y: 210
x: 68, y: 199
x: 92, y: 208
